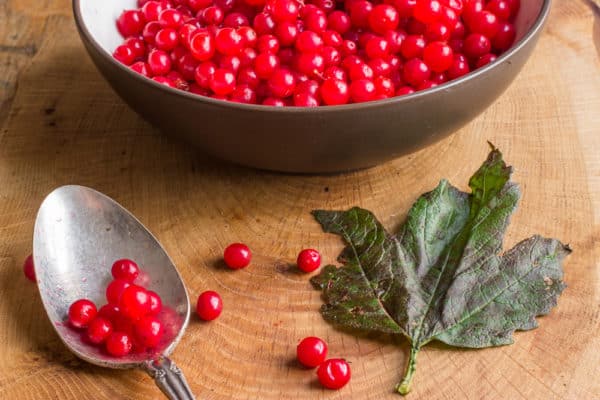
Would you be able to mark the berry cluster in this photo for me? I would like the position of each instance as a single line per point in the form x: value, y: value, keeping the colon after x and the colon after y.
x: 314, y: 52
x: 131, y: 321
x: 333, y: 373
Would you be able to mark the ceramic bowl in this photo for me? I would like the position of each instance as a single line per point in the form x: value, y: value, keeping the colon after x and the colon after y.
x: 306, y: 140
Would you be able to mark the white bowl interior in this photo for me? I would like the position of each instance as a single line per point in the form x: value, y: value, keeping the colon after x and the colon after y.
x: 99, y: 17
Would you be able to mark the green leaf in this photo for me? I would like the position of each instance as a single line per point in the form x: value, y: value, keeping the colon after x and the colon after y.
x: 441, y: 277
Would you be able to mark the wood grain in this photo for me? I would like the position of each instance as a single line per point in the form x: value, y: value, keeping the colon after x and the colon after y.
x: 61, y: 123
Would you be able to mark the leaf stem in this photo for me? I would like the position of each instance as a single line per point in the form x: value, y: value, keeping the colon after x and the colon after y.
x: 404, y: 386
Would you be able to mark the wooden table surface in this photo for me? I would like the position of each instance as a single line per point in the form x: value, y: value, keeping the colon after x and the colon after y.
x: 62, y: 124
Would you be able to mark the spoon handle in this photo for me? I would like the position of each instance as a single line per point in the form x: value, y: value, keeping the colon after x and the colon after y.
x: 169, y: 378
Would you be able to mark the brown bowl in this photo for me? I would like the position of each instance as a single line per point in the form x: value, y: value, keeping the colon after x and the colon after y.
x: 309, y: 140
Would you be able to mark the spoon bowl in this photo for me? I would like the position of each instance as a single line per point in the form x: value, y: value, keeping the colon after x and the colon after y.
x: 78, y: 234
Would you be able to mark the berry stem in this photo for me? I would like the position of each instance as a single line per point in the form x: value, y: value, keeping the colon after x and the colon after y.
x: 404, y: 387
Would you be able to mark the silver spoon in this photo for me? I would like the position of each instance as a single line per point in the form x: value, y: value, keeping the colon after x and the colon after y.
x: 78, y: 234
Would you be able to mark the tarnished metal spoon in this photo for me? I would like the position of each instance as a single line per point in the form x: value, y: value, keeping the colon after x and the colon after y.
x: 78, y: 234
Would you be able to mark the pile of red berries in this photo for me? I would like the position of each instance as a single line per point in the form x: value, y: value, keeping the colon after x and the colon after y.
x: 131, y: 321
x: 313, y: 52
x: 333, y: 373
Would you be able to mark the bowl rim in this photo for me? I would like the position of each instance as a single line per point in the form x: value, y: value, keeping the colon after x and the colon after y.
x: 535, y: 28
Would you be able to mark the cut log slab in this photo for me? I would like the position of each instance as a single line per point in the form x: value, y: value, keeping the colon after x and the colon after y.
x: 62, y: 124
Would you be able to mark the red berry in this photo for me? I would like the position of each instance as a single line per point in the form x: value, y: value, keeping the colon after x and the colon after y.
x: 437, y: 31
x: 28, y: 268
x: 151, y: 10
x: 134, y: 302
x: 311, y: 64
x: 309, y: 42
x: 505, y: 37
x: 484, y: 22
x: 125, y: 269
x: 439, y: 78
x: 416, y: 72
x: 405, y: 7
x: 380, y: 67
x: 485, y: 60
x: 223, y: 82
x: 500, y: 8
x: 359, y: 11
x: 249, y: 36
x: 108, y: 311
x: 283, y: 10
x: 334, y: 92
x: 267, y: 44
x: 98, y: 330
x: 209, y: 305
x: 247, y: 76
x: 115, y: 290
x: 155, y: 302
x: 384, y: 86
x: 148, y: 331
x: 159, y: 62
x: 476, y: 45
x: 230, y: 63
x: 383, y: 18
x: 315, y: 21
x: 187, y: 67
x: 130, y: 23
x: 395, y: 39
x: 286, y: 32
x: 404, y: 90
x: 202, y: 46
x: 263, y: 23
x: 238, y: 255
x: 305, y: 100
x: 150, y: 31
x: 460, y: 67
x: 331, y: 56
x: 311, y: 351
x: 226, y: 5
x: 271, y: 101
x: 265, y: 64
x: 243, y: 94
x: 427, y: 11
x: 229, y: 42
x: 282, y: 83
x: 124, y: 54
x: 438, y: 56
x: 413, y: 46
x: 310, y: 259
x: 334, y: 373
x: 166, y: 39
x: 170, y: 18
x: 81, y: 313
x: 204, y: 74
x: 377, y: 47
x: 339, y: 21
x: 349, y: 47
x: 428, y: 84
x: 332, y: 38
x: 212, y: 15
x: 137, y: 45
x: 310, y: 87
x: 165, y: 81
x: 235, y: 20
x: 118, y: 344
x: 360, y: 71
